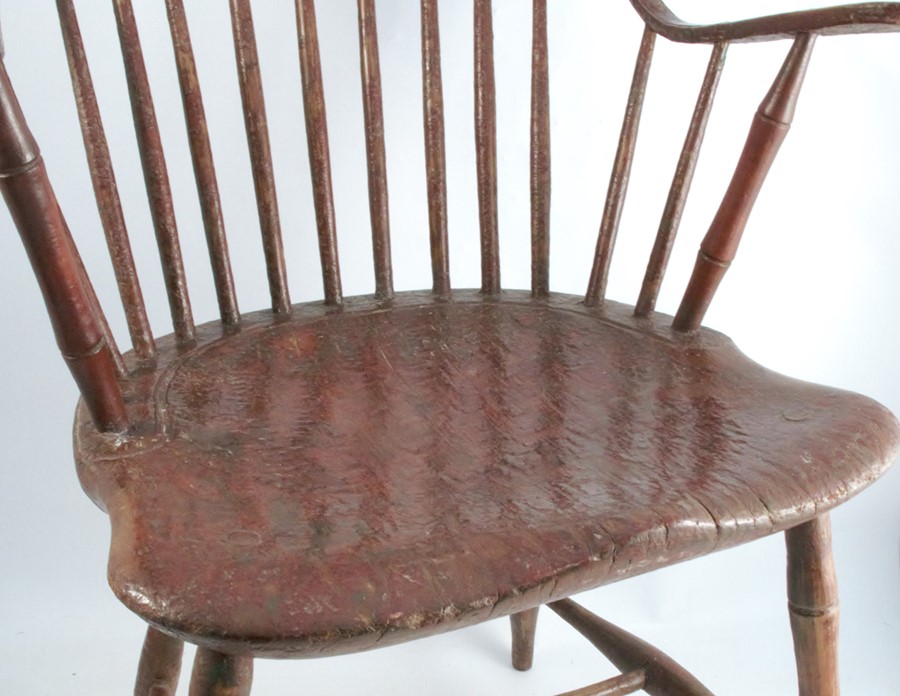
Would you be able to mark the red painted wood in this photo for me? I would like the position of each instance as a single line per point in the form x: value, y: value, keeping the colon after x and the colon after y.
x: 328, y: 478
x: 397, y: 473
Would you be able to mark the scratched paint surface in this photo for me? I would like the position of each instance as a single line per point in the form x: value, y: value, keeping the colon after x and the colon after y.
x: 351, y: 477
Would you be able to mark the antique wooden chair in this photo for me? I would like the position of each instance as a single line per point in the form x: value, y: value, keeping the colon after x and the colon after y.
x: 332, y: 476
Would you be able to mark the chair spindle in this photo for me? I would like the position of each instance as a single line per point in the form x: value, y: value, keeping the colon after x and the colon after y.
x: 260, y: 152
x: 768, y: 130
x: 204, y: 167
x: 35, y: 211
x: 435, y: 157
x: 156, y: 176
x: 618, y: 182
x: 681, y: 184
x: 104, y: 183
x: 317, y: 142
x: 540, y: 153
x: 486, y: 146
x: 375, y: 153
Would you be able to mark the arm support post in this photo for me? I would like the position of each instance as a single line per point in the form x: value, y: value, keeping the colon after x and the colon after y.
x: 770, y: 126
x: 34, y: 209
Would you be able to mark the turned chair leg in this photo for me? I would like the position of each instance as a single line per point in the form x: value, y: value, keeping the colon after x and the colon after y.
x: 217, y: 674
x: 160, y: 665
x: 523, y: 626
x: 813, y: 606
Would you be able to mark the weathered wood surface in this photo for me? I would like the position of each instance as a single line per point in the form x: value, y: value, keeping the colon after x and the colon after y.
x: 524, y: 626
x: 395, y: 469
x: 215, y: 674
x: 397, y: 473
x: 843, y: 19
x: 160, y: 665
x: 768, y: 130
x: 813, y: 606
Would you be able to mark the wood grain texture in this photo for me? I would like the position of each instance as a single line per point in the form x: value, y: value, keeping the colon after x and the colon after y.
x: 160, y: 665
x: 813, y: 606
x: 500, y: 454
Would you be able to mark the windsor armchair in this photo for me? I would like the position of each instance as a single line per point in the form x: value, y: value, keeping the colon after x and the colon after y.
x: 332, y: 476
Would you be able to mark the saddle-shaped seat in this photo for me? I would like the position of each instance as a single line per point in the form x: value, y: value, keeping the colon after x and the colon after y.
x: 342, y: 479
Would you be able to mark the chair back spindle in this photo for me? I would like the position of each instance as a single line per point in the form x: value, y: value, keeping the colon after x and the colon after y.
x: 540, y: 153
x: 618, y: 183
x: 204, y: 168
x: 317, y: 139
x: 376, y: 161
x: 156, y: 176
x: 768, y: 130
x: 717, y: 250
x: 257, y: 129
x: 486, y: 147
x: 105, y: 189
x: 435, y: 156
x: 681, y: 184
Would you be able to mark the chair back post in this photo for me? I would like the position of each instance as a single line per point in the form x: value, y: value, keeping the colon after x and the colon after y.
x: 56, y: 264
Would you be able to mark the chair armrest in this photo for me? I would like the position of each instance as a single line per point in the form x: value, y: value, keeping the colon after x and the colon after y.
x: 842, y: 19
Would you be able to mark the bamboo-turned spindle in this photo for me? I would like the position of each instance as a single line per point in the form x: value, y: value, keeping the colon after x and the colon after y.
x: 813, y: 606
x: 34, y: 209
x: 770, y: 126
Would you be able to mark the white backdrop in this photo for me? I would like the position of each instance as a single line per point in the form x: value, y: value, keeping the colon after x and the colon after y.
x: 811, y: 295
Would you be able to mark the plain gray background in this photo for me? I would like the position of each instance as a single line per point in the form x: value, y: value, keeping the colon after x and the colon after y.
x: 811, y: 295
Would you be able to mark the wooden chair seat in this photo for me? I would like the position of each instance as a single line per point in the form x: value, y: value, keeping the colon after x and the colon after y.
x: 342, y: 477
